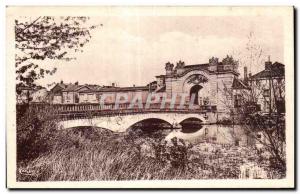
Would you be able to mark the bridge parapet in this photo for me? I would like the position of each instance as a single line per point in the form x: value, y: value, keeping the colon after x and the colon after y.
x: 75, y: 111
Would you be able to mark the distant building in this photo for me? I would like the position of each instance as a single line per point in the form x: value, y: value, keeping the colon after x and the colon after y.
x: 240, y: 91
x: 63, y: 93
x: 269, y: 87
x: 76, y: 94
x: 27, y: 94
x: 40, y: 95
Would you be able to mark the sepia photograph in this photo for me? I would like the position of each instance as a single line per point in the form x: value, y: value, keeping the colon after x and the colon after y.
x: 150, y: 97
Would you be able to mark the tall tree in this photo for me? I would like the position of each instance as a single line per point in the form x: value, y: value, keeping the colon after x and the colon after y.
x: 45, y: 37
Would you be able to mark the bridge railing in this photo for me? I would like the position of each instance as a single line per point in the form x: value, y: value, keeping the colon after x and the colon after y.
x: 144, y: 107
x: 85, y: 110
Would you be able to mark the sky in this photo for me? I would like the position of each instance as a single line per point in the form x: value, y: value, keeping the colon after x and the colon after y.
x: 131, y: 50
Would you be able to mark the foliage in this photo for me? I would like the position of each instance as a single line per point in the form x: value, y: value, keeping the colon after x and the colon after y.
x: 98, y: 154
x: 35, y: 129
x: 252, y: 55
x: 272, y: 136
x: 44, y: 38
x: 229, y: 60
x: 267, y: 129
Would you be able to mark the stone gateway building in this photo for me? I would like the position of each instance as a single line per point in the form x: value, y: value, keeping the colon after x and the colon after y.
x: 211, y: 83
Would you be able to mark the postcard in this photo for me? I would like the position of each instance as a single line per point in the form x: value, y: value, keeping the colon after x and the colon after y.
x: 150, y: 97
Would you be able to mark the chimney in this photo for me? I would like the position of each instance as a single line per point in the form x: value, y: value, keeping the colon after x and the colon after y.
x: 61, y: 81
x: 245, y: 73
x: 76, y: 83
x: 113, y: 84
x: 268, y: 64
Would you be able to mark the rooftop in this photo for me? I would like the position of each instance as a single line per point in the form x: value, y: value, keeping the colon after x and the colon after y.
x: 273, y: 70
x: 238, y: 84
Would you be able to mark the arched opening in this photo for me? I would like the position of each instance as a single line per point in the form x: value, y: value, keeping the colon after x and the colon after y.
x: 151, y: 128
x: 191, y: 125
x: 194, y: 94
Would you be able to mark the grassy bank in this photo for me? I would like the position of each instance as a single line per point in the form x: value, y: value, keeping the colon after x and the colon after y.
x: 96, y: 154
x: 84, y: 154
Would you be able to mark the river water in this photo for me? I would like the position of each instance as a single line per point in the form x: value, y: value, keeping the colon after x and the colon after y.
x: 221, y: 134
x: 197, y: 133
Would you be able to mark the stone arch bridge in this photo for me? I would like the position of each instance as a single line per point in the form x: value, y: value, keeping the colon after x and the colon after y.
x: 119, y: 120
x: 120, y: 123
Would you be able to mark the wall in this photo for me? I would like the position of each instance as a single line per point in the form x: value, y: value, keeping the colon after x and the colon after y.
x: 40, y: 95
x: 57, y: 99
x: 258, y: 88
x: 224, y: 92
x: 87, y: 98
x: 68, y: 98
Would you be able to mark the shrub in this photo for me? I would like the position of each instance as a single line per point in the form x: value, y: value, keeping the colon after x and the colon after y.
x: 35, y: 127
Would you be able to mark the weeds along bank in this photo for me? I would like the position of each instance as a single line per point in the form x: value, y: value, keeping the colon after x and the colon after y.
x: 44, y: 153
x: 95, y: 154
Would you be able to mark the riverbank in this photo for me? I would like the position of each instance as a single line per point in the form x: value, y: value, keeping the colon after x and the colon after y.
x: 97, y: 154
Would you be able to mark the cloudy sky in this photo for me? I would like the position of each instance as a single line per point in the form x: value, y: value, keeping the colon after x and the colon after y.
x: 133, y: 50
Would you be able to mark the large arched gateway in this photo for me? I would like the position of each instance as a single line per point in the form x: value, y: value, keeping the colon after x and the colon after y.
x: 194, y: 94
x: 202, y: 84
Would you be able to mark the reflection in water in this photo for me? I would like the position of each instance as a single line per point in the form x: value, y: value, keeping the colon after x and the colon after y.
x: 191, y: 129
x: 153, y: 128
x: 195, y: 132
x: 213, y: 133
x: 191, y: 125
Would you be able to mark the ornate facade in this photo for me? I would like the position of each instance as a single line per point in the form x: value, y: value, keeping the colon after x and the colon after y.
x: 208, y: 82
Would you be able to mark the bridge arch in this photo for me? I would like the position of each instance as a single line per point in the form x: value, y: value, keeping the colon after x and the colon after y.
x: 143, y: 117
x: 192, y: 118
x: 152, y: 122
x: 122, y: 123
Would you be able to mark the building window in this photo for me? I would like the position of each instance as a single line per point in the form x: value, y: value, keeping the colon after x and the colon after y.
x: 206, y: 132
x: 258, y: 136
x: 266, y: 105
x: 257, y: 83
x: 90, y: 97
x: 247, y: 173
x: 200, y: 101
x: 266, y: 93
x: 205, y: 101
x: 76, y: 98
x: 68, y: 96
x: 237, y: 143
x: 237, y: 100
x: 83, y: 97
